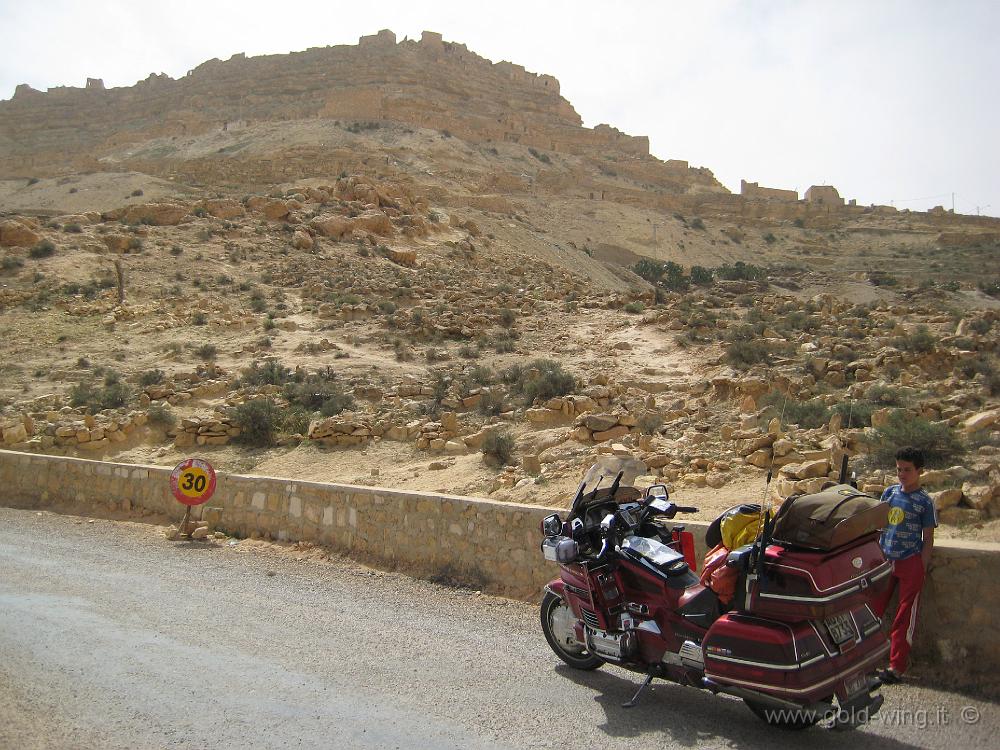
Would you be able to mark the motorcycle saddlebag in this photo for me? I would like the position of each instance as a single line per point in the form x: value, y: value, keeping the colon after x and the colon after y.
x: 828, y: 519
x: 798, y: 661
x: 805, y: 584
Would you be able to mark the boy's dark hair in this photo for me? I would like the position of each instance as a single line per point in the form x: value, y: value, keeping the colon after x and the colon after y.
x: 914, y: 455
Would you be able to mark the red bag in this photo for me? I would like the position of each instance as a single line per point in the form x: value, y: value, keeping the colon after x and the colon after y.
x: 717, y: 576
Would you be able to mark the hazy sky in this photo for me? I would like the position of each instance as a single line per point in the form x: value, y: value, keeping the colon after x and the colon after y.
x: 889, y: 101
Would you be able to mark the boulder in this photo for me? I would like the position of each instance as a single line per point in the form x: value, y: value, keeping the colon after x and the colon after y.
x: 158, y: 214
x: 531, y: 465
x: 375, y: 222
x: 403, y: 256
x: 946, y: 498
x: 613, y: 434
x: 981, y: 421
x: 302, y: 240
x: 813, y: 469
x: 14, y: 233
x: 333, y: 226
x: 977, y: 496
x: 600, y: 422
x: 223, y: 208
x: 271, y: 208
x: 543, y: 415
x: 782, y: 447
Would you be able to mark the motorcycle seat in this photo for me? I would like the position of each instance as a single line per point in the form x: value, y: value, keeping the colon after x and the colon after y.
x: 700, y: 606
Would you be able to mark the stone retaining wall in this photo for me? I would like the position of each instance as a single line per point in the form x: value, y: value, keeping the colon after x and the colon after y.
x: 482, y: 543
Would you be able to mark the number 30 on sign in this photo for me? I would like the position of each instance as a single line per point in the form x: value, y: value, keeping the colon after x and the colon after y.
x: 193, y: 481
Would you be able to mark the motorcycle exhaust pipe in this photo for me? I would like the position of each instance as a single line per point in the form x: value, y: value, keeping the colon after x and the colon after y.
x: 768, y: 700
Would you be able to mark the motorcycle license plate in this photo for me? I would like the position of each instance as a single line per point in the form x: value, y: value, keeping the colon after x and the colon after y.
x: 855, y: 684
x: 840, y: 628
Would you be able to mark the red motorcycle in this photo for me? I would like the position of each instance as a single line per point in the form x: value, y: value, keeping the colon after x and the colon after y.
x: 799, y: 644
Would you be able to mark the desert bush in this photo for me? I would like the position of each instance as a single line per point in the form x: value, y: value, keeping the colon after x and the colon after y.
x: 985, y: 366
x: 499, y: 446
x: 319, y: 393
x: 258, y: 420
x: 136, y: 193
x: 812, y: 413
x: 981, y: 326
x: 402, y: 351
x: 939, y: 442
x: 206, y: 352
x: 702, y: 276
x: 199, y: 319
x: 740, y: 271
x: 43, y: 249
x: 111, y: 393
x: 503, y: 344
x: 855, y: 413
x: 697, y: 223
x: 507, y: 318
x: 490, y: 403
x: 634, y: 307
x: 296, y: 422
x: 882, y: 278
x: 73, y: 228
x: 161, y: 415
x: 540, y: 156
x: 650, y: 270
x: 10, y: 263
x: 468, y: 352
x: 151, y: 377
x: 745, y: 354
x: 674, y: 278
x: 542, y: 378
x: 769, y: 238
x: 271, y: 372
x: 649, y: 422
x: 990, y: 288
x: 920, y: 341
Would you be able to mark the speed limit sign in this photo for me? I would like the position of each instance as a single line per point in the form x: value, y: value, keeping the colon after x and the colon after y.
x: 193, y: 481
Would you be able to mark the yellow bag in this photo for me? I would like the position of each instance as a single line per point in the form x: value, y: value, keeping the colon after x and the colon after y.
x: 739, y: 529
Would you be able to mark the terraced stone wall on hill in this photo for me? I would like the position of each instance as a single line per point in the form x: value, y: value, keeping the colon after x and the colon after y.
x: 490, y: 545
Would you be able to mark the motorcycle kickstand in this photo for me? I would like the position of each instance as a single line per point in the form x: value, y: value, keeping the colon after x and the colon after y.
x: 635, y: 698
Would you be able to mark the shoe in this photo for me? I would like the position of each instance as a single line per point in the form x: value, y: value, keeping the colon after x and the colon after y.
x: 889, y: 676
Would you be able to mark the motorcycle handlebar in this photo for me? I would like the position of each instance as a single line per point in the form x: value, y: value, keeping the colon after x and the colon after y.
x: 685, y: 509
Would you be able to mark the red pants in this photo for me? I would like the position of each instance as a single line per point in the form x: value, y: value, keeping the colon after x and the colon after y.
x: 908, y: 574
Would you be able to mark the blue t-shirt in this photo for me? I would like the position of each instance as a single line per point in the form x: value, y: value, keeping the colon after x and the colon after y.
x: 909, y: 514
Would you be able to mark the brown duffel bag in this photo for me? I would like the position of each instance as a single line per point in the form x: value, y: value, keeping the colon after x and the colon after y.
x: 829, y: 519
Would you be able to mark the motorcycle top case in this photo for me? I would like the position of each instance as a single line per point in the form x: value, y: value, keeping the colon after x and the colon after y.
x: 799, y: 661
x: 804, y: 584
x: 829, y: 519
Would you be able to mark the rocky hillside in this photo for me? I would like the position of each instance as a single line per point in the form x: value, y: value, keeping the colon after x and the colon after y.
x: 357, y: 264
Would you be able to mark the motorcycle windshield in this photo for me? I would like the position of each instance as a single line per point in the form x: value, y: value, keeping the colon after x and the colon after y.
x: 603, y: 473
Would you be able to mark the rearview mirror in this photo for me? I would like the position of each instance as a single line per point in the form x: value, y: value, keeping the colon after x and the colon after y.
x: 552, y: 525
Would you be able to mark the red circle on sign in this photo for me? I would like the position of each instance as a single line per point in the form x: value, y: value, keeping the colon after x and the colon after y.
x: 193, y: 481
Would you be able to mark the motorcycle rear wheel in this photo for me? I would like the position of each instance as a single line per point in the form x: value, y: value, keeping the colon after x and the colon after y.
x: 577, y: 658
x: 784, y: 718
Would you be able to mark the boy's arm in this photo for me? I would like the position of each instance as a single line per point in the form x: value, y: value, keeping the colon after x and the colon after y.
x: 925, y: 553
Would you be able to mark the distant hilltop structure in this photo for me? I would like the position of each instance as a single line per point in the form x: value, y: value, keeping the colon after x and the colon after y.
x: 428, y: 83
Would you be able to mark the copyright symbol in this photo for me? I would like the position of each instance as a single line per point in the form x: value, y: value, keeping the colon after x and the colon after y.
x: 970, y: 715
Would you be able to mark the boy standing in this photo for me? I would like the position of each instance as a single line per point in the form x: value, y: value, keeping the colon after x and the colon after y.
x: 906, y: 542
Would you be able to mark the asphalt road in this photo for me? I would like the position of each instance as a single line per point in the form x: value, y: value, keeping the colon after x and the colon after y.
x: 113, y: 637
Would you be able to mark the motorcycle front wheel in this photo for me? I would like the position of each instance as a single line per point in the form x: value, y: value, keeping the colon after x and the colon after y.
x: 555, y: 615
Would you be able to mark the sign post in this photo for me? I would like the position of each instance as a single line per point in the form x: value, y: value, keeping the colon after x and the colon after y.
x: 192, y: 482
